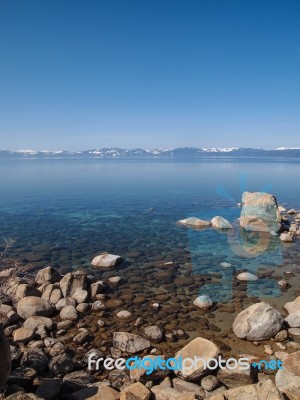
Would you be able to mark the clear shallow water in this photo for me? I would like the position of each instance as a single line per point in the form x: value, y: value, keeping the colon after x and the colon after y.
x: 63, y: 212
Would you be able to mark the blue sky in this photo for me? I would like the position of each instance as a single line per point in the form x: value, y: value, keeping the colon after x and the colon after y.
x: 206, y: 73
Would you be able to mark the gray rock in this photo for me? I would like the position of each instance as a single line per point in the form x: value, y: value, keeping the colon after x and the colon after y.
x: 195, y: 222
x: 81, y: 296
x: 237, y: 377
x: 247, y: 277
x: 25, y: 290
x: 73, y: 281
x: 23, y: 335
x: 48, y: 274
x: 204, y: 302
x: 258, y: 322
x: 61, y: 364
x: 69, y: 313
x: 153, y: 333
x: 129, y: 342
x: 106, y: 260
x: 34, y: 306
x: 65, y: 302
x: 260, y: 212
x: 293, y: 319
x: 34, y: 322
x: 209, y: 382
x: 36, y: 359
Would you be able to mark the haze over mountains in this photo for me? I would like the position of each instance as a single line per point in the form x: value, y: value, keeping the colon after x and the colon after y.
x: 182, y: 152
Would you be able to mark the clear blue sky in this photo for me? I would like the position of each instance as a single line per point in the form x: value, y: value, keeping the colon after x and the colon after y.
x: 207, y: 73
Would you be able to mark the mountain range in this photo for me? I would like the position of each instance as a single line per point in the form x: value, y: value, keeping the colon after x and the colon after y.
x: 181, y: 152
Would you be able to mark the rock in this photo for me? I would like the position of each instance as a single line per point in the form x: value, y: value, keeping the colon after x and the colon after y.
x: 65, y: 302
x: 81, y: 296
x: 98, y: 306
x: 34, y: 306
x: 102, y: 392
x: 260, y: 212
x: 23, y: 396
x: 281, y: 209
x: 129, y: 342
x: 83, y: 308
x: 68, y: 313
x: 294, y: 331
x: 204, y: 302
x: 97, y: 288
x: 49, y: 389
x: 288, y: 379
x: 77, y: 380
x: 136, y: 391
x: 260, y: 321
x: 237, y: 377
x: 25, y: 290
x: 23, y: 335
x: 61, y: 364
x: 247, y: 277
x: 140, y: 374
x: 281, y: 336
x: 195, y: 222
x: 225, y: 265
x: 185, y: 387
x: 73, y: 281
x: 48, y: 274
x: 106, y: 260
x: 221, y: 223
x: 201, y: 348
x: 124, y: 314
x: 34, y: 322
x: 292, y: 212
x: 153, y: 333
x: 209, y: 382
x: 162, y: 392
x: 262, y: 391
x: 81, y: 337
x: 56, y: 296
x: 5, y: 359
x: 36, y: 359
x: 283, y: 284
x: 293, y: 306
x: 286, y: 237
x: 293, y: 319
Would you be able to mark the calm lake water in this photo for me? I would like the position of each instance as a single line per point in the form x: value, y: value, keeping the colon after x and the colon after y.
x: 64, y: 212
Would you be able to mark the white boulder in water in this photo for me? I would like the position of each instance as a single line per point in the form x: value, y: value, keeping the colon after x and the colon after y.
x: 221, y: 223
x: 204, y: 302
x: 195, y: 222
x: 106, y: 260
x: 247, y: 277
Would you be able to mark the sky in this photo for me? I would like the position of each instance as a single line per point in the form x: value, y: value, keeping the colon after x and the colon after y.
x: 77, y: 75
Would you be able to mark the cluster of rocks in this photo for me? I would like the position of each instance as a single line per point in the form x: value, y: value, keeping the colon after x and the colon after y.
x: 217, y: 222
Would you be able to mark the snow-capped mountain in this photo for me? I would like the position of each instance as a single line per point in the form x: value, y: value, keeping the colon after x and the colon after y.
x: 181, y: 152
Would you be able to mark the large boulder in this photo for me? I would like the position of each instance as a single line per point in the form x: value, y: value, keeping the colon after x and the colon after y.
x: 258, y: 322
x: 203, y: 349
x: 5, y: 359
x: 288, y: 378
x: 129, y: 342
x: 48, y: 274
x: 32, y: 306
x: 260, y: 212
x: 72, y: 282
x: 106, y: 260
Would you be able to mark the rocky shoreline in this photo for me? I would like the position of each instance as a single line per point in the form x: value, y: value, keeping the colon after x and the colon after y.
x: 52, y: 321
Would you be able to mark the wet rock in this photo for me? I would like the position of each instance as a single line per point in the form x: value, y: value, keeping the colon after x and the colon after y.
x: 61, y: 364
x: 49, y: 389
x: 283, y: 284
x: 225, y: 264
x: 195, y: 222
x: 5, y: 359
x: 220, y: 223
x: 153, y: 333
x: 260, y: 212
x: 258, y: 322
x: 201, y: 348
x: 288, y: 378
x: 136, y: 391
x: 73, y: 281
x: 35, y: 359
x: 106, y: 260
x: 247, y: 277
x: 48, y: 274
x: 69, y: 313
x: 129, y: 342
x: 34, y: 306
x: 204, y: 302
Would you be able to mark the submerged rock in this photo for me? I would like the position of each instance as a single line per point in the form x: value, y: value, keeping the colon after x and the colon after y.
x: 258, y: 322
x: 106, y: 260
x: 221, y: 223
x: 195, y: 222
x: 247, y: 277
x: 260, y: 212
x: 204, y: 302
x: 129, y: 342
